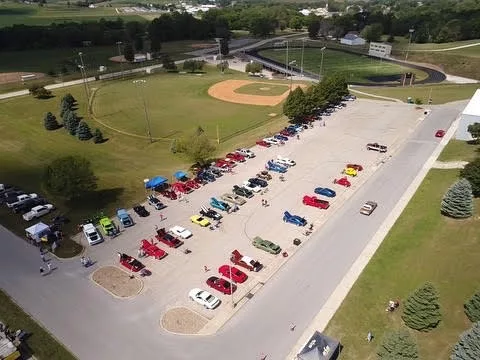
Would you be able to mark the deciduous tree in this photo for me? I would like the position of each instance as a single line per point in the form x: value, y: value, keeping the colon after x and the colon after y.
x: 253, y: 67
x: 168, y: 63
x: 313, y: 27
x: 296, y: 107
x: 193, y: 65
x: 458, y: 200
x: 474, y: 130
x: 224, y: 49
x: 421, y: 310
x: 398, y: 345
x: 372, y: 32
x: 197, y: 147
x: 128, y: 52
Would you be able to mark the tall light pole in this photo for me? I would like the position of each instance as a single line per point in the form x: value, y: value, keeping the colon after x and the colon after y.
x: 140, y: 83
x: 286, y: 62
x: 301, y: 61
x: 120, y: 57
x: 84, y: 76
x: 321, y: 64
x: 409, y: 42
x: 293, y: 62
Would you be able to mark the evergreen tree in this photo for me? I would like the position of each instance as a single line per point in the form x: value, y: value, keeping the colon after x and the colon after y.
x: 471, y: 172
x: 71, y: 122
x: 69, y: 100
x: 472, y: 307
x: 422, y: 310
x: 458, y: 200
x: 83, y: 131
x: 64, y: 107
x: 98, y: 137
x: 50, y: 122
x: 129, y: 53
x: 398, y: 345
x: 468, y: 347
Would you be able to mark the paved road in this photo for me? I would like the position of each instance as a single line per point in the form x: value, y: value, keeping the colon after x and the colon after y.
x: 295, y: 294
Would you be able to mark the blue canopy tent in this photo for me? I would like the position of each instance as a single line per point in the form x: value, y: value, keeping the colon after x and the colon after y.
x: 154, y: 182
x: 179, y: 175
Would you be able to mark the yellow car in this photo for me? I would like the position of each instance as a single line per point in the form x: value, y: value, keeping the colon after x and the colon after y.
x: 200, y: 220
x: 350, y: 172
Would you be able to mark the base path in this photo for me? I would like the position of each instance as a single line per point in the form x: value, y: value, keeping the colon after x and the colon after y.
x: 225, y: 91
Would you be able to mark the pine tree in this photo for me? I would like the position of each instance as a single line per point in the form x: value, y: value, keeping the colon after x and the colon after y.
x: 83, y: 131
x: 468, y: 347
x: 458, y: 200
x: 422, y: 310
x: 472, y: 307
x: 398, y: 345
x: 64, y: 108
x: 50, y: 122
x: 69, y: 100
x: 98, y: 137
x: 71, y: 122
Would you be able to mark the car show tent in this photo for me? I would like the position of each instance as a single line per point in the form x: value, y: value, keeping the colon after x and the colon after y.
x: 320, y: 347
x: 37, y: 231
x: 154, y: 182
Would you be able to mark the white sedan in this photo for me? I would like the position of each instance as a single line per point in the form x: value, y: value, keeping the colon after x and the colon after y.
x: 245, y: 152
x: 204, y: 298
x: 252, y: 187
x: 181, y: 232
x: 285, y: 161
x: 272, y: 141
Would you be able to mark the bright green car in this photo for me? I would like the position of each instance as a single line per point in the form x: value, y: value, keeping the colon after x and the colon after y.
x: 108, y: 226
x: 266, y: 245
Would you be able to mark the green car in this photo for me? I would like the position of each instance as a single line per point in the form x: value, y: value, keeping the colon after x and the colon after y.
x: 266, y: 245
x: 108, y: 226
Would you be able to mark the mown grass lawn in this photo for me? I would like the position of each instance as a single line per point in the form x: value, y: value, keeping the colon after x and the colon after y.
x: 422, y: 246
x: 440, y: 93
x: 177, y: 105
x: 458, y: 150
x: 41, y: 343
x: 356, y: 68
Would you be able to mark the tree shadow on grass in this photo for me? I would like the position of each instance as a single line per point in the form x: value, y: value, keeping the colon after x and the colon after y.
x: 95, y: 200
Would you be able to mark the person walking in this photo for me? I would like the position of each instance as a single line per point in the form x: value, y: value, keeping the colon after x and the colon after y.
x: 206, y: 269
x: 42, y: 256
x: 42, y: 270
x: 369, y: 336
x: 49, y: 268
x: 292, y: 326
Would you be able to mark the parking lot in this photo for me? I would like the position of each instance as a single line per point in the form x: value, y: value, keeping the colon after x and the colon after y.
x: 321, y: 154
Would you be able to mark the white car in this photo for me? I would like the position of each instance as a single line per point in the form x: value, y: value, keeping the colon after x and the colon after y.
x: 92, y: 235
x: 245, y: 152
x: 252, y: 187
x: 285, y: 161
x: 181, y: 232
x: 38, y: 211
x: 204, y: 298
x: 272, y: 141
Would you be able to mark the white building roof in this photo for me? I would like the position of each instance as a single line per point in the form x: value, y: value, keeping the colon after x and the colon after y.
x: 473, y: 107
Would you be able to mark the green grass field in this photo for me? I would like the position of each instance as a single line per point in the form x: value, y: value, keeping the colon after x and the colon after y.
x: 440, y: 94
x: 458, y: 150
x: 422, y: 246
x: 262, y: 89
x: 356, y: 68
x: 177, y: 105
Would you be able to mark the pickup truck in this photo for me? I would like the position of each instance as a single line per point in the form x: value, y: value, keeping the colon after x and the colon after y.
x: 124, y: 218
x: 91, y: 233
x: 20, y: 199
x: 377, y: 147
x: 38, y: 211
x: 28, y: 205
x: 244, y: 261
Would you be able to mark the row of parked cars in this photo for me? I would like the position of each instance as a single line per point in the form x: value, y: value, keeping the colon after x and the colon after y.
x: 30, y: 206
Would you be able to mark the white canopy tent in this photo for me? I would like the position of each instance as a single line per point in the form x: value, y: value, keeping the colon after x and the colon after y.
x: 37, y: 231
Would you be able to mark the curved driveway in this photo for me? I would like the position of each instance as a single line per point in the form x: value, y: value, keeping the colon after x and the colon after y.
x: 102, y: 328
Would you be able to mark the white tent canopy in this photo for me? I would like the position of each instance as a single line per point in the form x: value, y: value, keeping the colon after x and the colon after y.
x: 37, y: 231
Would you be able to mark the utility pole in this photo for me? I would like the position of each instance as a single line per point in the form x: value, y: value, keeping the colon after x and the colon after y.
x: 286, y: 61
x: 321, y: 64
x: 409, y: 42
x: 291, y: 75
x: 84, y: 75
x: 120, y: 57
x: 301, y: 62
x: 140, y: 83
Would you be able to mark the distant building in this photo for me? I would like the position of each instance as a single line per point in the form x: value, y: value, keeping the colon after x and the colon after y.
x: 352, y: 39
x: 380, y: 49
x: 470, y: 115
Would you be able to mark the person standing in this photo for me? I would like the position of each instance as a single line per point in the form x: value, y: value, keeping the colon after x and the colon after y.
x: 369, y: 336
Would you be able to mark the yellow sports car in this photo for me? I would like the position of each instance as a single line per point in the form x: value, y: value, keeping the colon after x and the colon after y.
x: 200, y: 220
x: 350, y: 172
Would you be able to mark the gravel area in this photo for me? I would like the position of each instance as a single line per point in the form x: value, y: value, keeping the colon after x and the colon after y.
x: 117, y: 281
x: 181, y: 320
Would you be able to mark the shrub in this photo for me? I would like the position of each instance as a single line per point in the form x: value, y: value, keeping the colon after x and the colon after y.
x: 98, y: 137
x: 398, y: 345
x: 458, y: 200
x: 421, y: 310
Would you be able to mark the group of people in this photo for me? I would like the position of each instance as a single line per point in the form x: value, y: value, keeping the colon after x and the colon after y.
x: 264, y: 203
x: 85, y: 261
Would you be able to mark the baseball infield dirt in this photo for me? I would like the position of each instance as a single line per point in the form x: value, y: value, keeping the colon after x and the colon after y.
x: 225, y: 90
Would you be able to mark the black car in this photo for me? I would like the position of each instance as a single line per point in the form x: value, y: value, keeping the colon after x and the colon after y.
x: 28, y: 205
x: 210, y: 213
x: 208, y: 176
x: 201, y: 180
x: 6, y: 188
x: 241, y: 191
x: 141, y: 211
x: 215, y: 172
x: 155, y: 202
x: 258, y: 182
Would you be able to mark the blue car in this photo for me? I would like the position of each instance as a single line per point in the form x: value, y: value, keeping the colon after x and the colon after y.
x: 294, y: 219
x: 207, y: 176
x: 220, y: 205
x: 275, y: 167
x: 280, y: 137
x: 325, y: 192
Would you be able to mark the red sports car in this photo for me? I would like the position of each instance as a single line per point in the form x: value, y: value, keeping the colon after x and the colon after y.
x: 169, y: 194
x: 233, y: 273
x: 354, y: 166
x: 130, y: 263
x: 235, y: 157
x: 181, y: 187
x: 263, y: 143
x: 440, y: 133
x: 342, y: 181
x: 152, y: 250
x: 192, y: 184
x: 168, y: 239
x: 221, y: 285
x: 315, y: 202
x: 285, y: 133
x: 224, y: 163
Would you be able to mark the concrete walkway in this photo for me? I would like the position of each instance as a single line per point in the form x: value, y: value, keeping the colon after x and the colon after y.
x: 352, y: 89
x: 447, y: 49
x: 449, y: 164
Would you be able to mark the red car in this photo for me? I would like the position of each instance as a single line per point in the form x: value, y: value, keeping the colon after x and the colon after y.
x: 225, y: 163
x: 342, y: 181
x: 181, y: 187
x: 169, y: 194
x: 315, y: 202
x: 233, y: 273
x: 192, y: 184
x: 235, y: 157
x: 285, y: 133
x: 221, y: 285
x: 130, y: 263
x: 152, y: 250
x: 168, y: 239
x: 263, y: 143
x: 245, y: 261
x: 440, y: 133
x: 355, y: 166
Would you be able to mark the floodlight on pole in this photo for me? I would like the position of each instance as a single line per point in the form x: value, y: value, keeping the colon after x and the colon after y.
x: 293, y: 62
x: 321, y: 64
x: 120, y: 57
x: 84, y: 75
x: 411, y: 31
x: 303, y: 49
x: 286, y: 61
x: 140, y: 83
